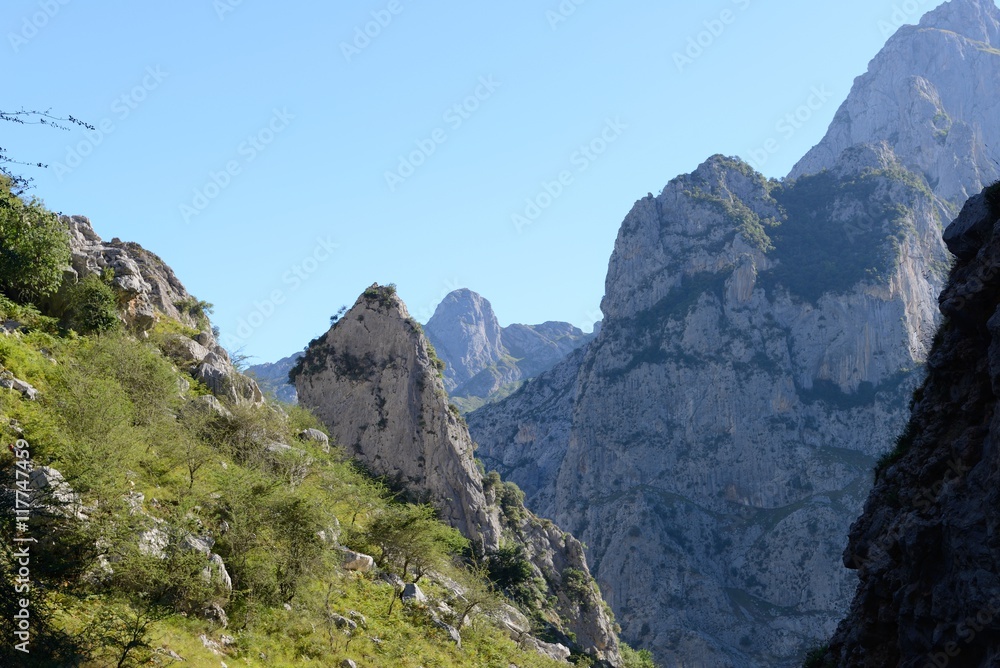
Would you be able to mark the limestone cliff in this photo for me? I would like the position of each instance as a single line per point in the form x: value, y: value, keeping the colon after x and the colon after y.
x: 711, y: 445
x: 374, y: 382
x: 929, y: 94
x: 927, y: 547
x: 485, y: 361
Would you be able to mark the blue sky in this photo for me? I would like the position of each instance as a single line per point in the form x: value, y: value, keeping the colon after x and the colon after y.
x: 281, y: 160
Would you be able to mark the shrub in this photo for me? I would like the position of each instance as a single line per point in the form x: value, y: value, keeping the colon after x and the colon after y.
x: 633, y: 658
x: 510, y: 570
x: 34, y: 248
x: 93, y: 309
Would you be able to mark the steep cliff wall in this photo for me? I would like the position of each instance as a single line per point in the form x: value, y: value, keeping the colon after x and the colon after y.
x: 927, y: 547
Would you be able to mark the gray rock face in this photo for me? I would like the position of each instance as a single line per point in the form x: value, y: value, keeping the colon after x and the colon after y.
x: 485, y: 361
x: 711, y: 445
x: 926, y: 547
x: 150, y: 286
x: 928, y: 93
x: 373, y: 383
x: 374, y: 387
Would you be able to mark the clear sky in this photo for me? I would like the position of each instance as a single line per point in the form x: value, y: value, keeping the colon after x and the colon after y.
x: 281, y: 160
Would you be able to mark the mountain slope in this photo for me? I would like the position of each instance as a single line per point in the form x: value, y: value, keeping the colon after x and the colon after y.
x: 484, y: 361
x: 940, y: 124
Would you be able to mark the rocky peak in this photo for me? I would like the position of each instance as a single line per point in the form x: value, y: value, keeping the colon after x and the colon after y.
x: 923, y: 94
x: 373, y: 382
x: 700, y: 223
x: 485, y: 361
x: 976, y: 19
x: 467, y: 335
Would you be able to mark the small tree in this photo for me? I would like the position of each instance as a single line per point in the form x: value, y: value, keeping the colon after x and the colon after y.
x: 410, y: 537
x: 34, y: 247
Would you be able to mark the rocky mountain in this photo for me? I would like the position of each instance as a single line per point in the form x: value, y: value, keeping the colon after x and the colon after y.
x: 926, y: 547
x: 926, y: 94
x: 273, y: 378
x: 760, y: 342
x: 375, y: 382
x: 484, y: 361
x: 713, y: 442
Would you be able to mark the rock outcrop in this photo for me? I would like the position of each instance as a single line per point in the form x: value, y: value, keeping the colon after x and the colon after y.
x: 373, y: 381
x: 929, y: 94
x: 711, y: 445
x: 147, y: 285
x: 484, y: 361
x: 927, y: 547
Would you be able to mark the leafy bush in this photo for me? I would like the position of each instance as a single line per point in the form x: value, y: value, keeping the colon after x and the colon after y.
x: 93, y: 308
x: 34, y: 248
x: 632, y: 658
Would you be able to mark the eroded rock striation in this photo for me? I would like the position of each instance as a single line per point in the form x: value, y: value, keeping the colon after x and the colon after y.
x: 927, y: 547
x: 373, y: 381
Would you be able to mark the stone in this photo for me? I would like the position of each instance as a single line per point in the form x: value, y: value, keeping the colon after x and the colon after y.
x: 347, y: 663
x: 8, y: 381
x: 316, y: 436
x: 413, y: 593
x: 51, y: 492
x: 342, y: 622
x: 357, y: 562
x: 216, y: 572
x: 215, y: 613
x: 452, y: 632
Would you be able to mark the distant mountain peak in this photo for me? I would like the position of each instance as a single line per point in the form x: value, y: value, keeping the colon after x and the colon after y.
x: 928, y: 94
x: 976, y: 19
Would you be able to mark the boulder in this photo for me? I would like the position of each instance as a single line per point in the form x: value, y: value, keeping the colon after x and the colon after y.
x: 8, y: 381
x: 357, y: 562
x: 412, y: 592
x: 316, y: 436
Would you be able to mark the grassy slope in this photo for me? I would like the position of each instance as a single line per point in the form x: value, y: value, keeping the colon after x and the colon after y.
x: 112, y: 417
